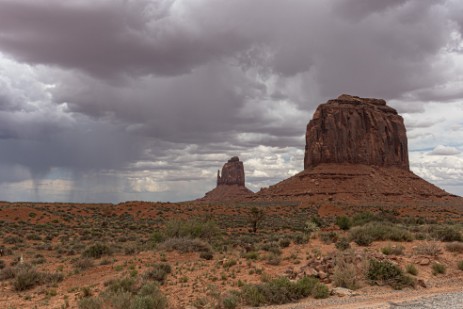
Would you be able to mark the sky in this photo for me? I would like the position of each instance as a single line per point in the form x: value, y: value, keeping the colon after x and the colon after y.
x: 116, y: 100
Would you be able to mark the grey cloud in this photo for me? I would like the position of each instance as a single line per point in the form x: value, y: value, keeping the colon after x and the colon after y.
x: 108, y: 84
x: 442, y: 150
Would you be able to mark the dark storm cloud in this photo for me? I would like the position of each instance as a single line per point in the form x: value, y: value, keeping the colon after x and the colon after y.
x: 109, y: 37
x: 188, y: 83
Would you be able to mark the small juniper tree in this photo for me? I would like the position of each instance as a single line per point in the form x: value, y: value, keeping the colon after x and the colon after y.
x: 256, y: 217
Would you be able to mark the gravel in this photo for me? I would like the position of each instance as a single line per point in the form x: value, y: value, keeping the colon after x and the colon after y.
x: 447, y: 300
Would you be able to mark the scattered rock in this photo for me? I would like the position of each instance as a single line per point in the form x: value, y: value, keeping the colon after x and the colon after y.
x: 342, y: 292
x: 424, y: 261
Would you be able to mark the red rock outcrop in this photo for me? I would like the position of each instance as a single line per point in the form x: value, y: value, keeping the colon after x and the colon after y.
x: 232, y: 173
x: 230, y: 183
x: 356, y: 153
x: 356, y: 130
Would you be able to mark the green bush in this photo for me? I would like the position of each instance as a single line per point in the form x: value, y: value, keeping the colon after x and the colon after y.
x: 328, y: 237
x: 438, y: 268
x: 26, y: 279
x: 158, y: 272
x: 280, y: 291
x: 342, y: 244
x: 230, y: 302
x: 460, y: 265
x: 366, y: 234
x: 90, y: 303
x: 206, y: 255
x: 192, y: 229
x: 320, y: 291
x: 456, y: 247
x: 343, y: 222
x: 447, y: 234
x: 96, y: 251
x: 388, y: 273
x: 285, y: 242
x: 411, y: 269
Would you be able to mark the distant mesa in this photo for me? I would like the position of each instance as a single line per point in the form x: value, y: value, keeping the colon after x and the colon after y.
x: 356, y: 130
x: 356, y: 152
x: 230, y: 183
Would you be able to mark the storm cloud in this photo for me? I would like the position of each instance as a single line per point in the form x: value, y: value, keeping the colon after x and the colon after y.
x: 146, y: 99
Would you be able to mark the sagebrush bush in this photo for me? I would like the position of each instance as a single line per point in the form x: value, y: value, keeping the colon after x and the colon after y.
x: 438, y: 268
x: 447, y: 234
x: 342, y: 244
x: 366, y: 234
x: 388, y: 273
x: 328, y: 237
x: 456, y: 247
x: 186, y: 245
x: 192, y: 229
x: 428, y: 248
x: 158, y: 272
x: 343, y: 222
x: 97, y: 250
x: 280, y: 291
x: 411, y: 269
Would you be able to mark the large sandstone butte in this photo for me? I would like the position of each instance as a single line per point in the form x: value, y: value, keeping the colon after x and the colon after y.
x: 358, y: 131
x: 230, y: 183
x: 356, y: 152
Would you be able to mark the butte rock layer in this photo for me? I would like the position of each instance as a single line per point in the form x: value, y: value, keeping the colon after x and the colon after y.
x: 356, y: 152
x: 357, y: 131
x: 230, y: 183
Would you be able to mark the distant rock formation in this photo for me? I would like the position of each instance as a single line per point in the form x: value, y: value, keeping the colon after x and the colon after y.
x: 230, y: 183
x: 356, y: 130
x: 232, y: 173
x: 356, y: 152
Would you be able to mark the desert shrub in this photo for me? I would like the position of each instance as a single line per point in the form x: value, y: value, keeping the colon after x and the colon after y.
x: 345, y: 275
x: 13, y: 240
x: 229, y: 263
x: 285, y: 242
x: 343, y: 222
x: 328, y: 237
x: 120, y: 285
x: 300, y: 239
x: 230, y: 301
x: 157, y: 237
x: 192, y: 229
x: 96, y: 251
x: 428, y: 248
x: 411, y: 269
x: 90, y: 303
x: 366, y: 234
x: 279, y: 291
x: 158, y: 272
x: 438, y: 268
x: 186, y: 245
x: 272, y: 247
x: 342, y: 244
x: 2, y: 264
x: 359, y: 236
x: 273, y: 259
x: 7, y: 273
x: 363, y: 218
x: 83, y: 264
x: 456, y: 247
x: 27, y: 278
x: 206, y: 255
x: 447, y: 234
x: 252, y: 255
x: 460, y: 265
x: 393, y: 250
x: 388, y: 273
x: 320, y: 291
x: 149, y: 297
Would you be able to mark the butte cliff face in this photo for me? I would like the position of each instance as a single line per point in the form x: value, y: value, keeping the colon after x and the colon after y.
x: 356, y: 130
x: 232, y: 173
x: 356, y: 153
x: 230, y: 183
